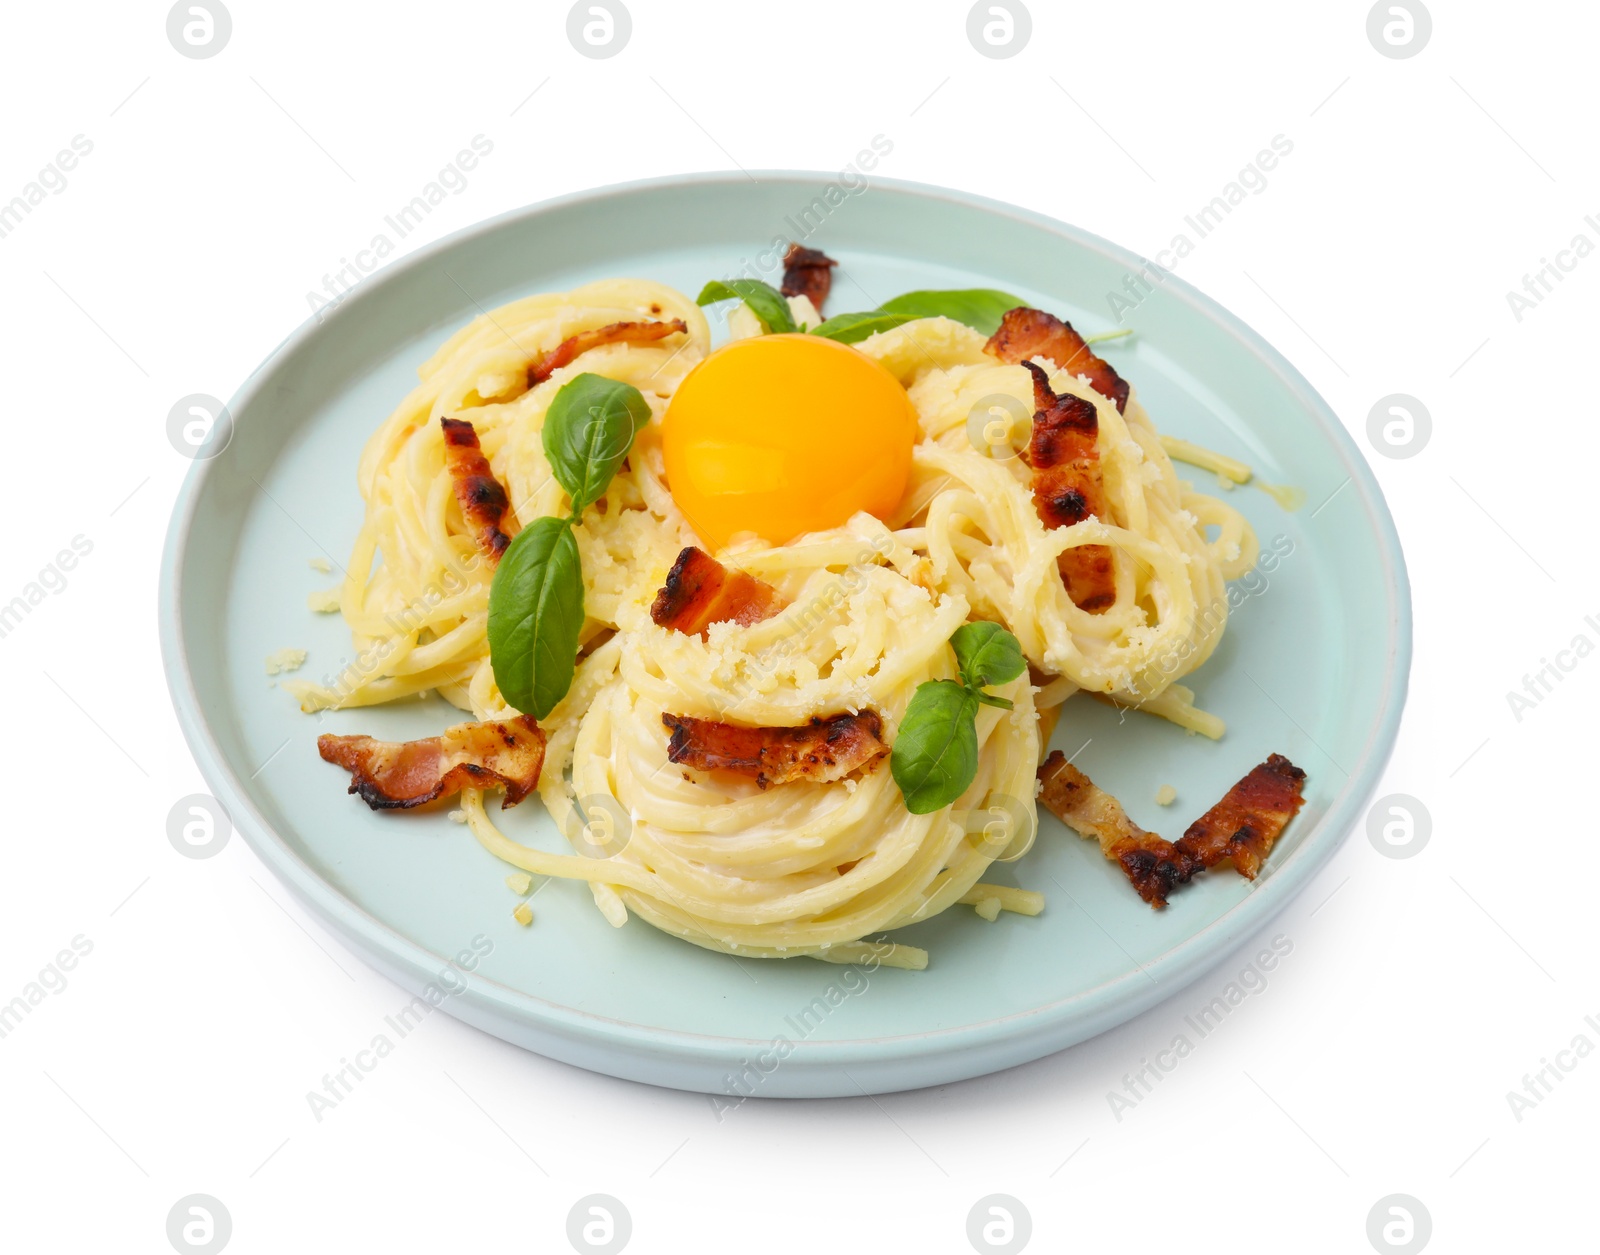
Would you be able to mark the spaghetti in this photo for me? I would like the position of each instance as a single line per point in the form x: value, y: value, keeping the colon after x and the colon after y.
x: 867, y: 610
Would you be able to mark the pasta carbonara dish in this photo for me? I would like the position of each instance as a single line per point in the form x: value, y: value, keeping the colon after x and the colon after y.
x: 778, y: 630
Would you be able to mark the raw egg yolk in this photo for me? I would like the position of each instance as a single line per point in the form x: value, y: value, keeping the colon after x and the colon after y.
x: 785, y: 434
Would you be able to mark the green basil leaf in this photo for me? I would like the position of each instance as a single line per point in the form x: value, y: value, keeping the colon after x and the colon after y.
x: 987, y: 654
x: 588, y: 430
x: 535, y: 615
x: 765, y: 301
x: 935, y: 755
x: 980, y: 308
x: 850, y: 328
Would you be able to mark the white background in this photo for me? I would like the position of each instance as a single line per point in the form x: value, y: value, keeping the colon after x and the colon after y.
x: 1418, y: 992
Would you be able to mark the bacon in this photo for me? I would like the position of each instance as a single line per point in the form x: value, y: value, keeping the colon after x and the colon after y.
x: 1241, y: 828
x: 398, y: 775
x: 1068, y: 487
x: 1249, y: 818
x: 701, y: 591
x: 1028, y: 333
x: 483, y: 498
x: 1152, y: 864
x: 826, y: 749
x: 545, y: 365
x: 808, y: 272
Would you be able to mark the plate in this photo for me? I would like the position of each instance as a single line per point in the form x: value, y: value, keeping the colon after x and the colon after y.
x: 1314, y: 664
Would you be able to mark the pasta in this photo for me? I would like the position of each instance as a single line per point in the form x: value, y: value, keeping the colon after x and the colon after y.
x: 805, y: 867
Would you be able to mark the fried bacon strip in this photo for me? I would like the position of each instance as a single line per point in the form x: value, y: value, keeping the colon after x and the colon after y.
x: 483, y: 498
x: 397, y: 775
x: 1249, y: 818
x: 701, y: 591
x: 1153, y: 865
x: 1068, y: 487
x: 823, y: 750
x: 1241, y: 828
x: 807, y: 272
x: 1028, y: 333
x: 542, y: 367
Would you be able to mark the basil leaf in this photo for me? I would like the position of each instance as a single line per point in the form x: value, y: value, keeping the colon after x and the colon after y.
x: 588, y: 430
x: 535, y: 615
x: 850, y: 328
x: 980, y: 308
x: 765, y: 301
x: 935, y: 755
x: 987, y: 654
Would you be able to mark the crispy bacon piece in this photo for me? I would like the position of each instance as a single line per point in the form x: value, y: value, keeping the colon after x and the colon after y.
x: 1241, y: 828
x: 483, y: 498
x: 397, y: 775
x: 542, y: 367
x: 808, y: 272
x: 1027, y: 333
x: 701, y: 591
x: 1151, y: 863
x: 1250, y: 817
x: 823, y: 750
x: 1068, y: 487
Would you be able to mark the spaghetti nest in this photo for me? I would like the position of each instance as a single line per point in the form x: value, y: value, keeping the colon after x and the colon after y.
x: 969, y: 509
x: 802, y: 867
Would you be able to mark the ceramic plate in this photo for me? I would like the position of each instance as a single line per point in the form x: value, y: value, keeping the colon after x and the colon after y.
x: 1314, y: 663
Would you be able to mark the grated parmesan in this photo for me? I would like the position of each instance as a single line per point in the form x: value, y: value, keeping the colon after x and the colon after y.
x: 285, y: 660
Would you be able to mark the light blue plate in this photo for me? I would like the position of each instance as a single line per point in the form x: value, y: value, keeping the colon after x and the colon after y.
x: 1314, y: 664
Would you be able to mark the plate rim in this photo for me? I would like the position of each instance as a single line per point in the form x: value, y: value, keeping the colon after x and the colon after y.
x: 1059, y: 1023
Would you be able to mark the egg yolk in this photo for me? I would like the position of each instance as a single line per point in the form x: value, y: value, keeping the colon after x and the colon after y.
x: 785, y: 434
